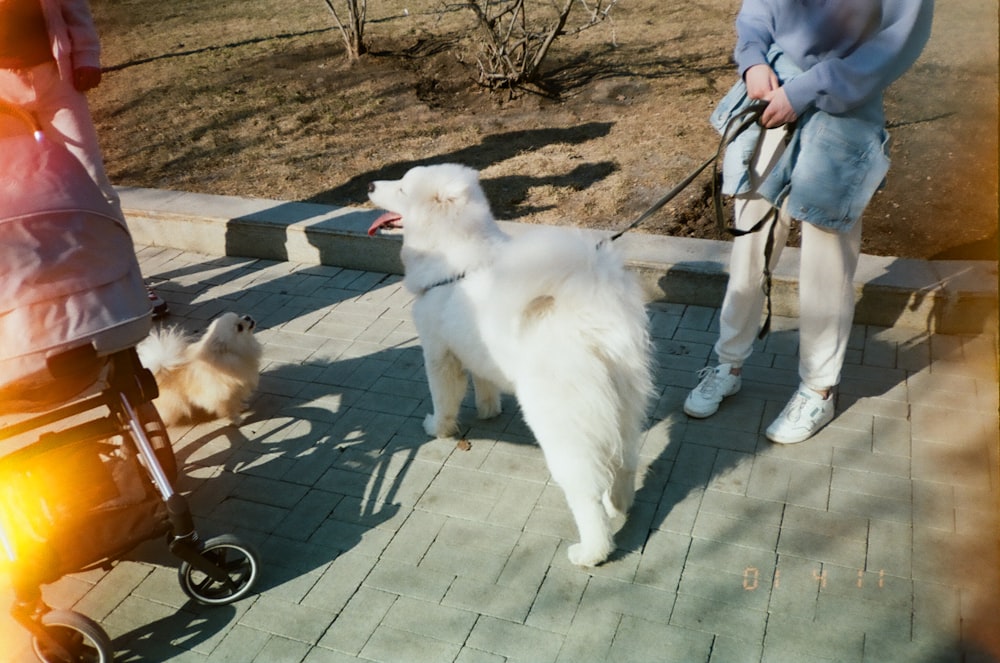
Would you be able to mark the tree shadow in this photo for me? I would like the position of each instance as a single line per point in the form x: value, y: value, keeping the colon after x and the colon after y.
x: 493, y: 149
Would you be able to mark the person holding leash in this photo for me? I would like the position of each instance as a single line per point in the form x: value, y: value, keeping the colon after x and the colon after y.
x: 817, y: 155
x: 49, y: 57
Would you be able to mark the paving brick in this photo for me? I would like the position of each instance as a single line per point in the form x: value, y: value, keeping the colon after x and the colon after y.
x: 736, y: 588
x: 240, y: 644
x: 590, y: 636
x: 526, y: 463
x: 530, y: 561
x: 678, y: 507
x: 808, y: 485
x: 711, y: 616
x: 732, y: 471
x: 514, y: 640
x: 693, y: 465
x: 282, y: 650
x: 470, y: 655
x: 354, y: 625
x: 890, y: 548
x: 290, y: 620
x: 289, y: 585
x: 794, y: 584
x: 389, y: 645
x: 515, y: 503
x: 556, y: 601
x: 431, y: 620
x: 891, y: 436
x: 739, y: 531
x: 112, y: 589
x: 950, y: 558
x: 872, y: 589
x: 464, y: 560
x: 863, y: 461
x: 296, y: 556
x: 936, y: 609
x: 867, y: 506
x: 723, y: 503
x: 414, y: 537
x: 697, y: 317
x: 641, y: 640
x: 446, y: 502
x: 663, y: 560
x: 408, y: 580
x: 891, y: 646
x: 339, y: 581
x: 308, y: 513
x: 505, y: 602
x: 731, y: 650
x: 811, y: 640
x: 343, y: 536
x: 627, y: 599
x: 953, y: 464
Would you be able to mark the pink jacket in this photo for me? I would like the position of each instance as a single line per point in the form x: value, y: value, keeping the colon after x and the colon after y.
x: 75, y: 42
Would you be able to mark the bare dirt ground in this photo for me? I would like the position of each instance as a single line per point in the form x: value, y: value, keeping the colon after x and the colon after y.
x: 258, y: 99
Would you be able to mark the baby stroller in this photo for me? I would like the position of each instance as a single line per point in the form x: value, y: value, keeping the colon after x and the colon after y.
x: 86, y: 466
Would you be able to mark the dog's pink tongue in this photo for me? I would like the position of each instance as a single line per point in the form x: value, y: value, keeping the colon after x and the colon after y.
x: 387, y: 220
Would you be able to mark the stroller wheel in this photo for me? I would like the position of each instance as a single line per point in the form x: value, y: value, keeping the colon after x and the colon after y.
x: 232, y: 556
x: 72, y: 638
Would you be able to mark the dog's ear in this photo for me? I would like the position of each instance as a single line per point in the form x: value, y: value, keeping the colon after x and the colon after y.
x: 456, y: 188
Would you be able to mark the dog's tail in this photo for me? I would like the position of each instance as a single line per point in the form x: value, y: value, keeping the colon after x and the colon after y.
x: 583, y: 325
x: 163, y: 349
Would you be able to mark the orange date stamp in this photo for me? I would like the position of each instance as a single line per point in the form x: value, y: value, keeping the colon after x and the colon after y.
x: 754, y: 580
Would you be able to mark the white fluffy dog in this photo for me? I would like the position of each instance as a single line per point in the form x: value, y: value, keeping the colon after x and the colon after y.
x: 548, y: 315
x: 211, y: 377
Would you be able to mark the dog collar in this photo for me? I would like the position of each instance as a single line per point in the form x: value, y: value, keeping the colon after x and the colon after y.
x: 447, y: 281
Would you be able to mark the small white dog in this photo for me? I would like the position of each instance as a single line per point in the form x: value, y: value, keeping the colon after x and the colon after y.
x: 211, y: 377
x: 549, y: 315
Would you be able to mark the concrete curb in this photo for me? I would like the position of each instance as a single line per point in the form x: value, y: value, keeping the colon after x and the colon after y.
x: 939, y: 296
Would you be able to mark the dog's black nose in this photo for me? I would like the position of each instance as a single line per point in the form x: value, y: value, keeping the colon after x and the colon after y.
x: 251, y: 323
x: 371, y: 187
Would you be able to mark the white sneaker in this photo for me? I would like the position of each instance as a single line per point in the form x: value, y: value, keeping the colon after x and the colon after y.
x: 802, y: 418
x: 716, y: 383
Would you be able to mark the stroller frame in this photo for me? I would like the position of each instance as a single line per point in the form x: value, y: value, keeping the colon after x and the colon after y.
x: 104, y: 483
x: 213, y: 572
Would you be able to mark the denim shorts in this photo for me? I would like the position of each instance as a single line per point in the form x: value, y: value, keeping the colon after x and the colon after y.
x: 829, y: 171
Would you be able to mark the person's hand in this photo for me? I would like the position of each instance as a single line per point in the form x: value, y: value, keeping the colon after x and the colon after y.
x: 761, y: 81
x: 779, y: 111
x: 86, y: 78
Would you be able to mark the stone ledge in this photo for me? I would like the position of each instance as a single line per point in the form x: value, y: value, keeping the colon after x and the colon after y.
x: 936, y: 296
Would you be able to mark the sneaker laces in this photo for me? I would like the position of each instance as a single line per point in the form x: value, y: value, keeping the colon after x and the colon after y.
x: 793, y: 411
x: 709, y: 380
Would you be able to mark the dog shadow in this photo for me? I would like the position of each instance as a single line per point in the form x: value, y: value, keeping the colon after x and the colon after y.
x: 190, y: 626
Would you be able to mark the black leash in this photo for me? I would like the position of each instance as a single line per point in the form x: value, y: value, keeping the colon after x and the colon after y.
x: 736, y: 125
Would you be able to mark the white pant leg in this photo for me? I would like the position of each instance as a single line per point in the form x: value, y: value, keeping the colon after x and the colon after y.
x: 64, y: 115
x: 826, y: 302
x: 740, y: 316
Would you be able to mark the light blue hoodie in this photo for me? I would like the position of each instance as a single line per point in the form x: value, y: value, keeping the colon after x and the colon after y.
x: 841, y: 56
x: 849, y: 50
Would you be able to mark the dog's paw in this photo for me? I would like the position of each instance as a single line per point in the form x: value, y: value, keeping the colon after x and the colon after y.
x: 444, y: 428
x: 489, y: 409
x: 580, y: 555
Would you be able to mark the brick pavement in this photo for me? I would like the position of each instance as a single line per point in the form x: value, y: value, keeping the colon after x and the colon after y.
x: 876, y: 541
